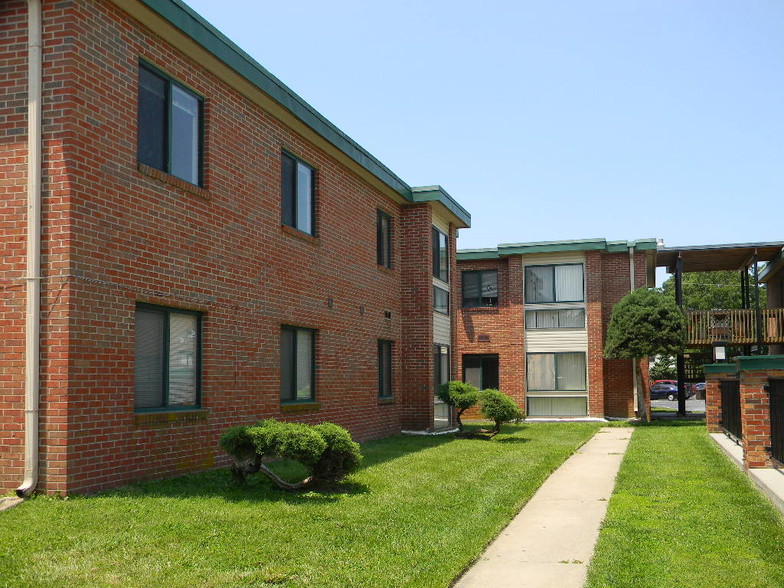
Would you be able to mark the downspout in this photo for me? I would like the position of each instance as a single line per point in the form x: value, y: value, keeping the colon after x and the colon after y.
x: 33, y: 278
x: 635, y: 385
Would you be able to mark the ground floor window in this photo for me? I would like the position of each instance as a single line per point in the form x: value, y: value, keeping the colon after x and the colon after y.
x: 481, y: 371
x: 556, y: 371
x: 442, y: 415
x: 297, y: 364
x: 167, y: 366
x: 384, y: 369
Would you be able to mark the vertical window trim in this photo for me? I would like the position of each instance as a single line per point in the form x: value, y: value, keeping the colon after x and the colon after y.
x: 165, y: 345
x: 383, y: 244
x: 293, y: 383
x: 385, y: 378
x: 167, y: 139
x: 295, y: 204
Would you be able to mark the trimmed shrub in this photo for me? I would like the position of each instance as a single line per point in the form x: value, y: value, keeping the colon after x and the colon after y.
x: 342, y: 455
x: 326, y: 450
x: 459, y: 395
x: 498, y: 407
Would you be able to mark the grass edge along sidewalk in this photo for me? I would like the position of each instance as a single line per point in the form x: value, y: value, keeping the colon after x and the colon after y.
x: 682, y: 515
x: 419, y: 511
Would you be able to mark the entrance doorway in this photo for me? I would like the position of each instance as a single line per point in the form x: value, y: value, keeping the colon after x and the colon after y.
x: 481, y: 371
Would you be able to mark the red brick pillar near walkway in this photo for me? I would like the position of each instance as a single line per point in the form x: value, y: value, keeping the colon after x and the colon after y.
x: 755, y: 375
x: 714, y: 373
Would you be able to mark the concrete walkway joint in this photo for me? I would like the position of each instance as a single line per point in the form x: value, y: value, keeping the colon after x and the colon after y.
x: 551, y: 540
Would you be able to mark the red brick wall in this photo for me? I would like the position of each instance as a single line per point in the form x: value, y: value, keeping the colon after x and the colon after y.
x: 755, y: 416
x: 115, y: 236
x: 13, y: 188
x: 607, y: 281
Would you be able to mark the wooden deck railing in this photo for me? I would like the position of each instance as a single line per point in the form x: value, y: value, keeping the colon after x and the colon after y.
x: 734, y: 326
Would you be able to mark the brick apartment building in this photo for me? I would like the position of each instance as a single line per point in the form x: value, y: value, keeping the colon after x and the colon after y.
x: 212, y: 251
x: 533, y: 318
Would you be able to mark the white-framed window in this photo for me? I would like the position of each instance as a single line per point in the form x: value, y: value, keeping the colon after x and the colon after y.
x: 554, y: 283
x: 564, y: 371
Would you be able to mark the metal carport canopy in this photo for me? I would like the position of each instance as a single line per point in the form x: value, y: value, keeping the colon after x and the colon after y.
x: 713, y: 258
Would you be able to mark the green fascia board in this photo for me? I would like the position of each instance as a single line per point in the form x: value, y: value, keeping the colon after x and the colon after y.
x: 759, y: 362
x: 638, y: 245
x: 474, y: 254
x: 720, y: 368
x: 552, y: 247
x: 438, y: 194
x: 203, y: 33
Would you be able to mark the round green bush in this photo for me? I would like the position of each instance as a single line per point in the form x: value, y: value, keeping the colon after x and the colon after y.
x: 461, y: 395
x: 288, y: 440
x: 342, y: 455
x: 498, y: 407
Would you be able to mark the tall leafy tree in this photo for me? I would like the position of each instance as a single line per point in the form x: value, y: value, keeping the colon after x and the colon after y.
x: 710, y: 290
x: 645, y: 323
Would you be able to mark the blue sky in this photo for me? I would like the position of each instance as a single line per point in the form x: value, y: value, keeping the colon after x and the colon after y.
x: 550, y: 120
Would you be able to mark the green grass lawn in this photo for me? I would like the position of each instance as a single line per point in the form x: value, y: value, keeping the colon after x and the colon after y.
x: 683, y: 516
x: 417, y: 513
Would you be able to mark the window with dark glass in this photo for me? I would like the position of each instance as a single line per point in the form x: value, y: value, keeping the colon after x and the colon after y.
x: 297, y: 188
x: 384, y: 368
x: 440, y: 300
x: 480, y: 288
x: 481, y: 371
x: 167, y: 370
x: 383, y: 239
x: 169, y: 126
x: 440, y: 366
x: 440, y: 255
x: 556, y: 371
x: 297, y: 364
x: 554, y: 283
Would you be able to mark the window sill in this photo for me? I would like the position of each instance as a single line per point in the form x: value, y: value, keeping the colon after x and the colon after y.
x: 301, y: 235
x: 387, y: 270
x: 171, y: 180
x: 479, y: 309
x: 166, y: 417
x: 300, y: 407
x: 387, y: 401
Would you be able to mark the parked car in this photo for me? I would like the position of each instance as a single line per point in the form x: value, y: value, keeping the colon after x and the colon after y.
x: 662, y: 390
x: 699, y: 387
x: 669, y: 391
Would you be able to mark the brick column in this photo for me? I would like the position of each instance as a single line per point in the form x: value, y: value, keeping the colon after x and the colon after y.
x: 595, y: 321
x: 416, y: 269
x: 755, y: 374
x: 713, y: 375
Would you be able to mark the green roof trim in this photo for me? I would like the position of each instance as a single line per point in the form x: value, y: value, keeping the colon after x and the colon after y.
x: 506, y: 249
x: 720, y: 368
x: 438, y: 194
x: 472, y: 254
x: 184, y: 18
x: 760, y: 362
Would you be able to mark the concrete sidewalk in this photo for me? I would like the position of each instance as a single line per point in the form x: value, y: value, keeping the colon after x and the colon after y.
x: 551, y: 540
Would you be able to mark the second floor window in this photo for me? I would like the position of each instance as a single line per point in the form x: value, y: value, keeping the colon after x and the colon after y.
x: 554, y: 283
x: 169, y: 126
x: 297, y: 188
x: 440, y: 255
x: 383, y: 239
x: 480, y: 288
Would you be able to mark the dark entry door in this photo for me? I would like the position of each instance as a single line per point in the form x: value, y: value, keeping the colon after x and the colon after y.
x: 481, y: 371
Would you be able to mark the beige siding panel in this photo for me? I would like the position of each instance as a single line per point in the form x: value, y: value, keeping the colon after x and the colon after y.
x: 440, y: 223
x: 555, y: 340
x: 442, y: 333
x: 553, y: 258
